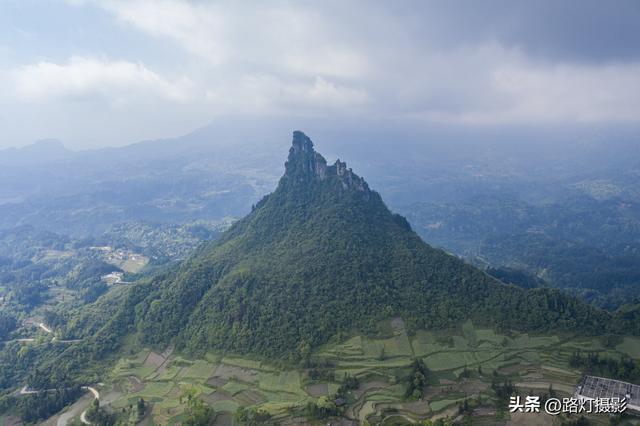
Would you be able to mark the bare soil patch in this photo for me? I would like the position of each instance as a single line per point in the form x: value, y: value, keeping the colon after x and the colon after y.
x: 153, y: 359
x: 135, y: 383
x: 318, y: 390
x: 420, y: 408
x: 217, y: 382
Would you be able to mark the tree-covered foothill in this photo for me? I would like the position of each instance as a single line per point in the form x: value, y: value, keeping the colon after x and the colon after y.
x: 20, y: 363
x: 29, y: 295
x: 584, y: 244
x: 516, y: 277
x: 86, y: 278
x: 35, y: 407
x: 54, y: 319
x: 99, y: 416
x: 8, y: 323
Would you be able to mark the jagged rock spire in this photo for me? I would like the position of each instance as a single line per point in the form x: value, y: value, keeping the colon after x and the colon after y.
x: 305, y: 165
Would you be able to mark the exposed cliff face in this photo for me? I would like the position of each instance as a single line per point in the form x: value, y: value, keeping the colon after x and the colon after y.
x: 305, y: 165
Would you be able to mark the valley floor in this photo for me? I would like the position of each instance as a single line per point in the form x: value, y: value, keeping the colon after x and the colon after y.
x: 462, y: 366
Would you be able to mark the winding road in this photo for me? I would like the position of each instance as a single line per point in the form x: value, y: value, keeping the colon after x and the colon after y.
x: 65, y: 419
x: 96, y: 395
x: 47, y: 330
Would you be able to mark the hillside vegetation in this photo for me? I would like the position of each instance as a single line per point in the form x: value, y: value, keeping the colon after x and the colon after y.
x: 320, y: 256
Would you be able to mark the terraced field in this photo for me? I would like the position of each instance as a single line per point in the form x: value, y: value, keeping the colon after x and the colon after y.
x: 462, y: 364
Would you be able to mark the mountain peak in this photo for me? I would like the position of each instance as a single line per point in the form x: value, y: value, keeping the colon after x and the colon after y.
x: 318, y: 258
x: 301, y: 141
x: 305, y: 165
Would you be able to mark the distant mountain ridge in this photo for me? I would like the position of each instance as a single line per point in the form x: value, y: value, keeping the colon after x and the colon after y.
x: 220, y: 170
x: 42, y: 151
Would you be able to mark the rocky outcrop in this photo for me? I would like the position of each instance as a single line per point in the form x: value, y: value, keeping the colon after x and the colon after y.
x: 304, y: 164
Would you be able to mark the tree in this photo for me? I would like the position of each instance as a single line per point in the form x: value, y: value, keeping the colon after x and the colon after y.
x: 304, y: 351
x: 8, y: 323
x: 141, y: 407
x: 199, y: 414
x: 251, y: 417
x: 321, y: 409
x: 417, y: 380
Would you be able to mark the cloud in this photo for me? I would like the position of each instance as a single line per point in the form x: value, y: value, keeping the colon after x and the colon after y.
x: 82, y: 78
x: 328, y: 93
x: 268, y: 94
x: 279, y: 37
x: 562, y: 93
x: 292, y: 55
x: 441, y: 61
x: 198, y: 27
x: 491, y: 84
x: 522, y: 92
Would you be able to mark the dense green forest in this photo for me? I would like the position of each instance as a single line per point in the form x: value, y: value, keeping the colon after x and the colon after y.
x: 8, y: 323
x: 319, y: 257
x: 586, y: 246
x: 322, y: 255
x: 36, y: 407
x: 516, y: 277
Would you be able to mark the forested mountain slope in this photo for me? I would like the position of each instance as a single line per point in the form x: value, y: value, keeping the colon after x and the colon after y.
x: 321, y: 255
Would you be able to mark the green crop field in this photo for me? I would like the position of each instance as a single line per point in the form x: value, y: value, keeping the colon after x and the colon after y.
x: 443, y: 403
x: 200, y: 370
x: 461, y: 364
x: 228, y: 406
x: 234, y: 387
x: 169, y: 374
x: 246, y: 363
x: 155, y: 390
x: 630, y: 346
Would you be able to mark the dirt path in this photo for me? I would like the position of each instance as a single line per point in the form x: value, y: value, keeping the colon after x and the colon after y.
x: 409, y: 419
x: 45, y: 328
x: 74, y: 410
x: 96, y: 395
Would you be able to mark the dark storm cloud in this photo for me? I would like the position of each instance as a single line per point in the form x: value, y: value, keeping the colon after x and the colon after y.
x: 585, y: 30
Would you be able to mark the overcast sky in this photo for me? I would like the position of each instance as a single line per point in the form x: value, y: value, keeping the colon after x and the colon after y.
x: 102, y: 73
